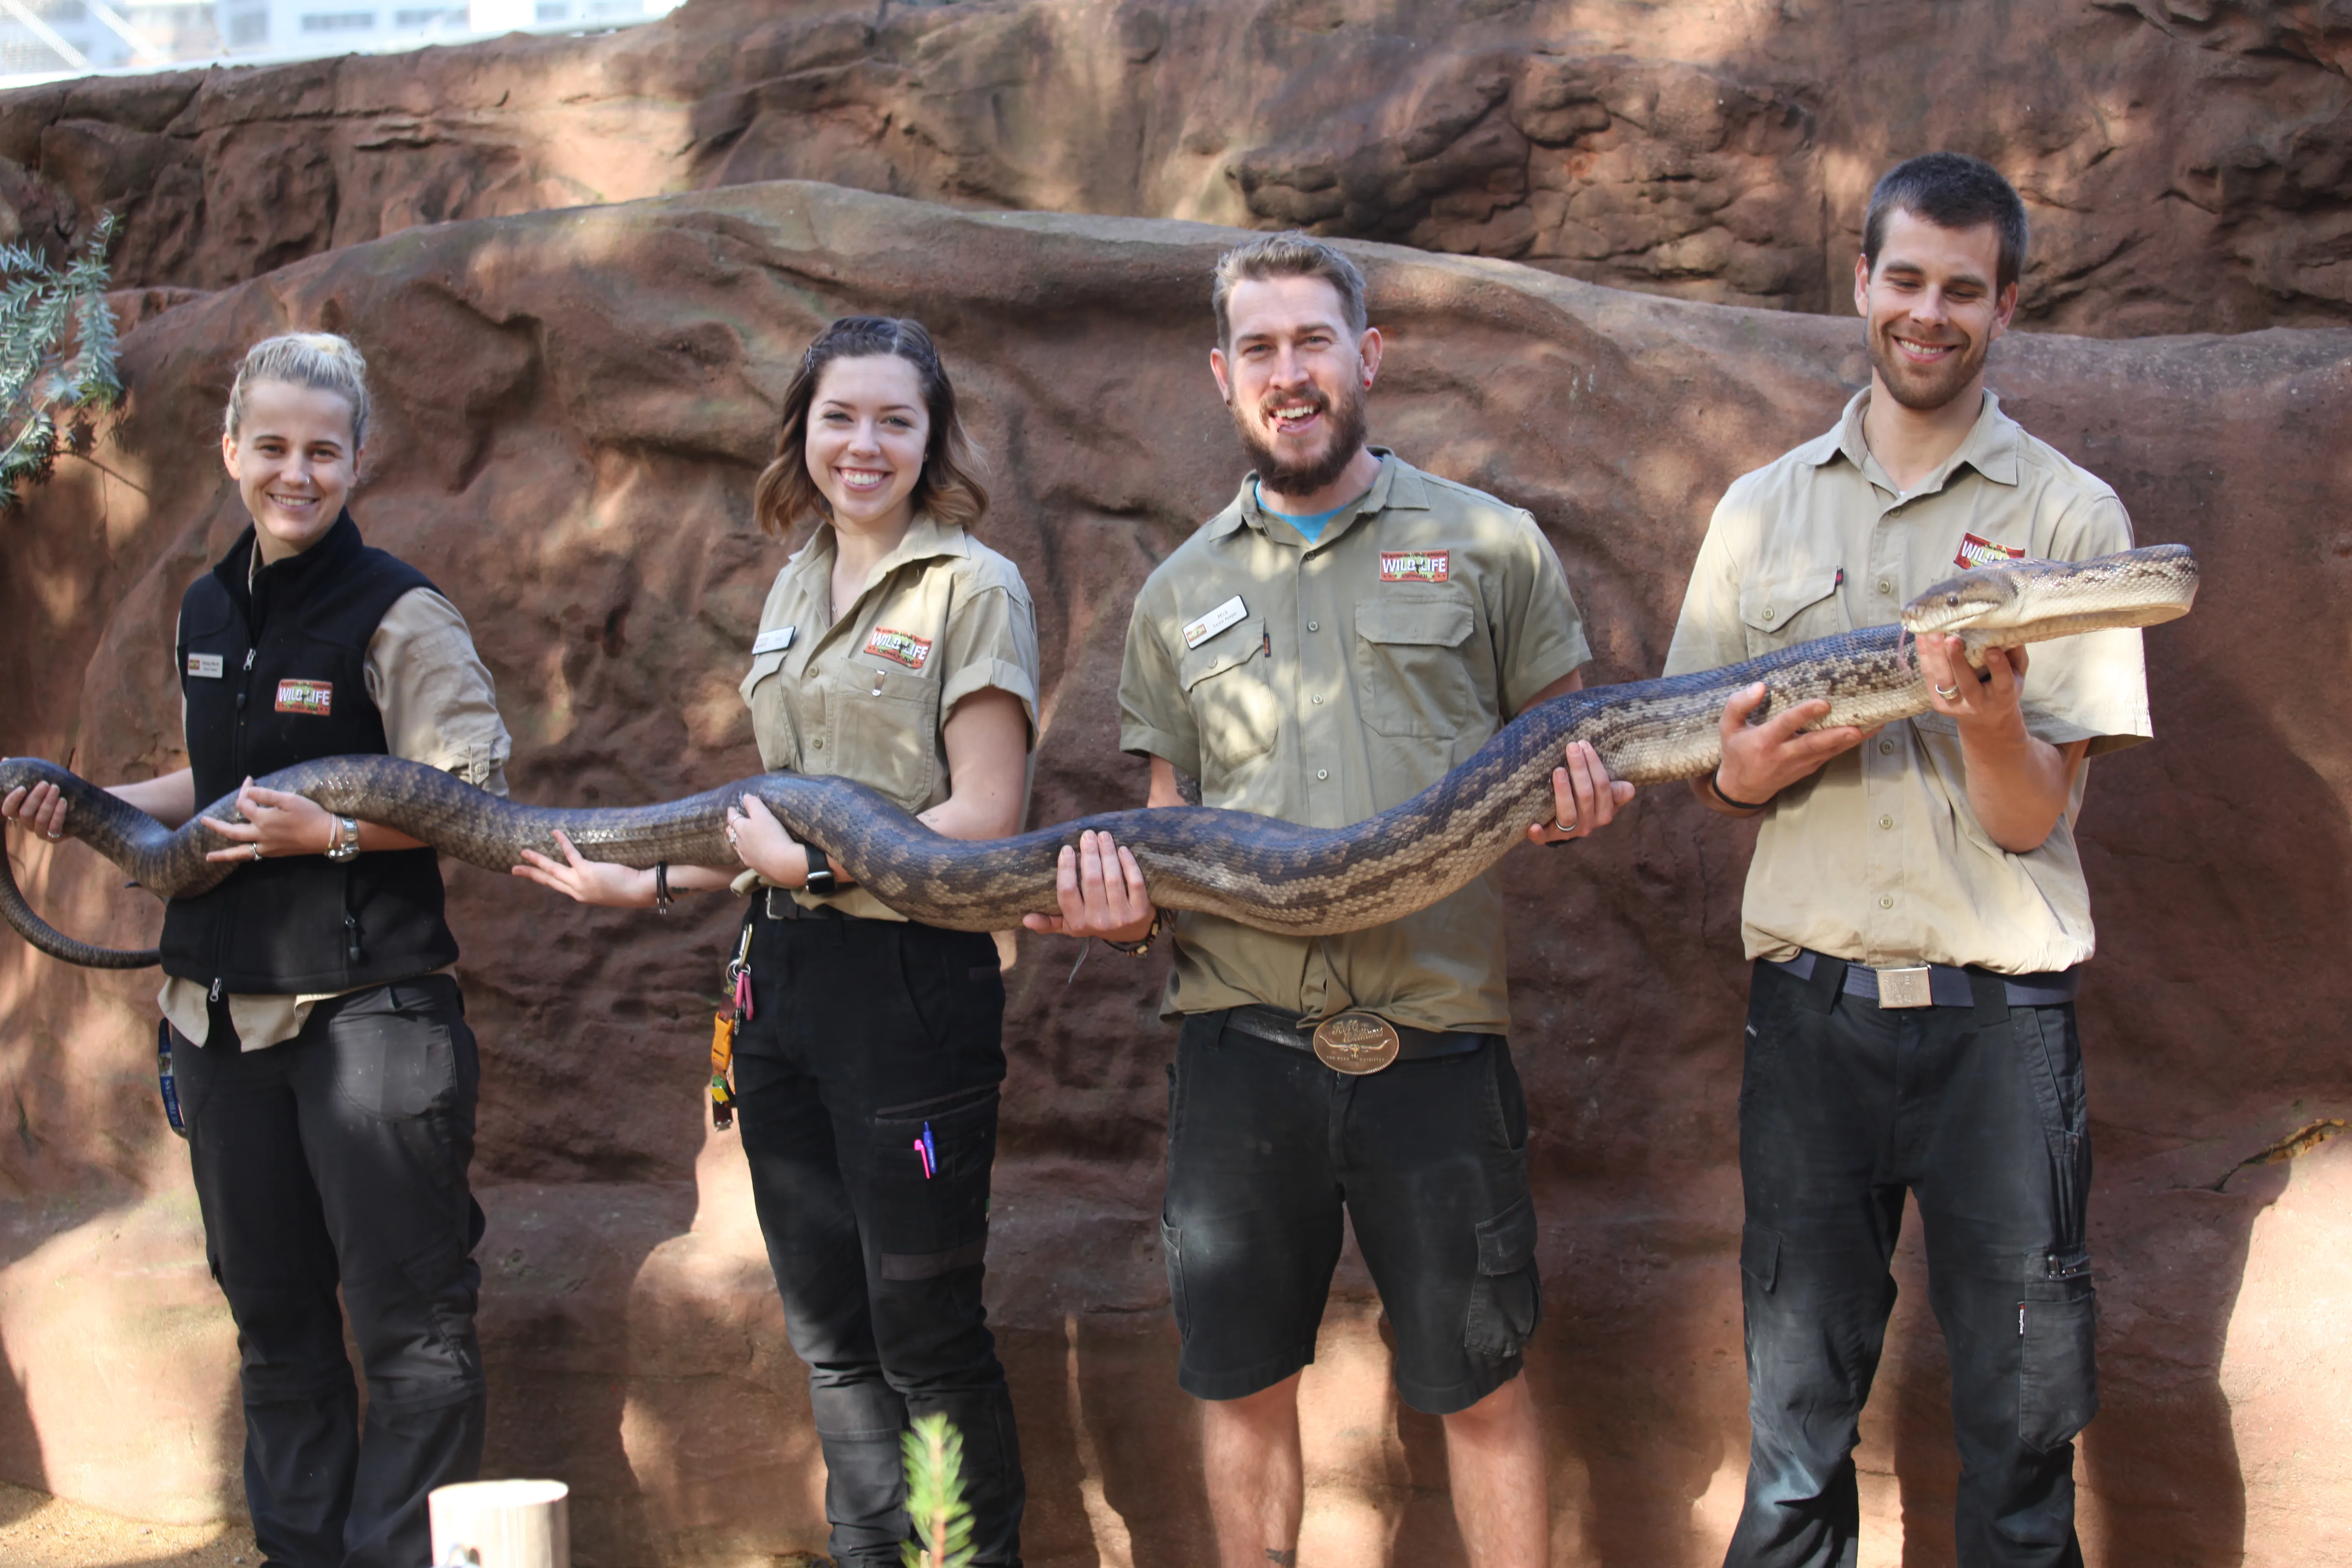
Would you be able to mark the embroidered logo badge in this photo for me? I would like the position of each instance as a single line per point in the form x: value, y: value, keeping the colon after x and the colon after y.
x: 207, y: 664
x: 316, y: 698
x: 1415, y: 565
x: 903, y: 646
x: 1975, y: 553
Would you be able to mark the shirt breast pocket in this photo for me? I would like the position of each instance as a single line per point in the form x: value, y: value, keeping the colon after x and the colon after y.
x: 1791, y: 609
x: 886, y: 723
x: 1237, y: 712
x: 1412, y: 663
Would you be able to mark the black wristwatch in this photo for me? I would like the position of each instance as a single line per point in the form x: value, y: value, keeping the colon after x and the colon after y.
x: 820, y: 873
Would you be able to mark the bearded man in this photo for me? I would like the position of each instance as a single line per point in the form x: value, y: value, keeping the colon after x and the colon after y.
x: 1331, y: 644
x: 1915, y: 909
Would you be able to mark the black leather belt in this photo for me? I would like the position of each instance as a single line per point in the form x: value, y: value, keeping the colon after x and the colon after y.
x: 1284, y: 1028
x: 1936, y: 984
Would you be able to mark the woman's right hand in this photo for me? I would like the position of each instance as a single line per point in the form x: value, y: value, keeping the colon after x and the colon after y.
x: 41, y: 808
x: 588, y: 881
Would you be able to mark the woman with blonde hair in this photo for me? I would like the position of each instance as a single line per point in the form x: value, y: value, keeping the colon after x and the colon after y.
x: 896, y: 651
x: 326, y: 1078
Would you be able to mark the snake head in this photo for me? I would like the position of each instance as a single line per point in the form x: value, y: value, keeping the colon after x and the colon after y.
x: 1986, y: 598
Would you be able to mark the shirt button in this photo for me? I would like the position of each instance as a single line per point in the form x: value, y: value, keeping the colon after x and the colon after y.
x: 1886, y: 900
x: 1886, y: 748
x: 1314, y: 626
x: 1769, y: 614
x: 1884, y: 587
x: 1886, y: 822
x: 819, y: 744
x: 1318, y: 701
x: 1322, y: 773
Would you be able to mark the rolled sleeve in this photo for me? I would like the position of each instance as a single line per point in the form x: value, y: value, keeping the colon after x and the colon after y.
x: 2093, y: 687
x: 1154, y: 721
x: 993, y: 643
x: 1709, y: 634
x: 439, y: 704
x: 1538, y: 631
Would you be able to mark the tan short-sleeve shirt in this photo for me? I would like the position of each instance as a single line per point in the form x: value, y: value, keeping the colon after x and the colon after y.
x: 1878, y: 858
x: 868, y: 697
x: 1322, y: 683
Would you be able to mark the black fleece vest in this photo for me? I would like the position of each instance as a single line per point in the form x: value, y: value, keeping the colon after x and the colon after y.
x: 276, y: 675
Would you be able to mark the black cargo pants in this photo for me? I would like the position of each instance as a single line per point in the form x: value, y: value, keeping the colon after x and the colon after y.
x: 869, y: 1037
x: 338, y: 1160
x: 1978, y: 1112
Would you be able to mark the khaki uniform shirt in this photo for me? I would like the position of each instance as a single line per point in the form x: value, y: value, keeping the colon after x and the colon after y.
x: 1322, y: 683
x: 867, y: 697
x: 440, y: 708
x: 1877, y: 858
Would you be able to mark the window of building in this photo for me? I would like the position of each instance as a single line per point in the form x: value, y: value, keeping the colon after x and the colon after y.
x: 554, y: 10
x: 432, y: 16
x: 339, y: 22
x: 246, y: 28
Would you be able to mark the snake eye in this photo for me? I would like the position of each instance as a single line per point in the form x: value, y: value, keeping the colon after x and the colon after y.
x: 1953, y: 600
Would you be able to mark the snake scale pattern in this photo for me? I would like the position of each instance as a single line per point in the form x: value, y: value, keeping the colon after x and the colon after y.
x: 1276, y: 876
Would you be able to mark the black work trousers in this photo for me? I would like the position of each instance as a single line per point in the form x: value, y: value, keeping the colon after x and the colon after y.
x: 1978, y: 1113
x: 866, y: 1038
x: 338, y: 1160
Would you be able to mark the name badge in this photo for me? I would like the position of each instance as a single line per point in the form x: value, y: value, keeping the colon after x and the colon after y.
x: 904, y: 646
x: 1415, y: 565
x: 207, y: 664
x: 315, y: 697
x: 1975, y: 553
x: 772, y: 642
x: 1216, y: 620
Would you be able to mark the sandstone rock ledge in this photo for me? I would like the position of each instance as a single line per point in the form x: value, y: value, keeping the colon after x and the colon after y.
x: 573, y: 404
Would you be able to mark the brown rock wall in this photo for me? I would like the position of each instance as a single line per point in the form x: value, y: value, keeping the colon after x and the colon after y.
x: 2186, y: 163
x: 572, y: 407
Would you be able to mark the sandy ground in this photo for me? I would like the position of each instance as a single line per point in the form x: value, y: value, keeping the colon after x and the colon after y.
x: 41, y: 1532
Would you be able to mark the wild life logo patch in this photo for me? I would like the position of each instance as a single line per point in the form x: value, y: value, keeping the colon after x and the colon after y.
x: 316, y: 698
x: 905, y: 648
x: 1415, y: 565
x: 1975, y: 553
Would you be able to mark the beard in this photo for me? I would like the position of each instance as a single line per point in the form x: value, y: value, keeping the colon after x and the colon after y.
x: 1347, y: 425
x: 1924, y: 388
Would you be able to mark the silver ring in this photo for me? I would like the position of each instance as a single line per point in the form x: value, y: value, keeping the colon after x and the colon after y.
x: 731, y: 839
x: 1560, y: 826
x: 1947, y: 692
x: 256, y: 849
x: 53, y: 837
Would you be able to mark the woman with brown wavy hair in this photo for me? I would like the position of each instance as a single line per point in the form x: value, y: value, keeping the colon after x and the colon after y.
x: 896, y: 651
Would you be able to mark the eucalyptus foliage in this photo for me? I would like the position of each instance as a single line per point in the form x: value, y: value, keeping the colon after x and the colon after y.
x: 57, y: 351
x: 935, y: 1496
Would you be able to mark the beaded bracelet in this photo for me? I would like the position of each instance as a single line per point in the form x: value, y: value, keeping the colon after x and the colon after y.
x: 1140, y: 945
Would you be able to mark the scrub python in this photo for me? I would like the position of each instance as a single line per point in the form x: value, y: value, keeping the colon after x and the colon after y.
x: 1276, y: 876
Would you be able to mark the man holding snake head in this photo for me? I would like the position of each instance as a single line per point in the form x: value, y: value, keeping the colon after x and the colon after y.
x: 1337, y: 639
x: 1915, y: 909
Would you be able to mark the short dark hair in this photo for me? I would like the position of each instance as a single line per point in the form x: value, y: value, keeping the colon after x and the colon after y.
x: 1287, y: 255
x: 949, y: 488
x: 1950, y: 189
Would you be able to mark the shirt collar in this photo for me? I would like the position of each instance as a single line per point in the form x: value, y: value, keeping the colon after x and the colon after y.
x: 1990, y: 446
x: 1397, y: 486
x: 926, y: 537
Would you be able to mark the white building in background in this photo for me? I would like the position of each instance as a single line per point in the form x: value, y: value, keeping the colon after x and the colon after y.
x: 44, y: 39
x: 41, y: 39
x: 331, y: 27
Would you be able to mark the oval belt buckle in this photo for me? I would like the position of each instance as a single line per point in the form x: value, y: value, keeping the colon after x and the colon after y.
x: 1356, y: 1043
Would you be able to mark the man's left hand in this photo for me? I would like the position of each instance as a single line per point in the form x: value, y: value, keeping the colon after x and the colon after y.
x: 1991, y: 699
x: 1584, y: 797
